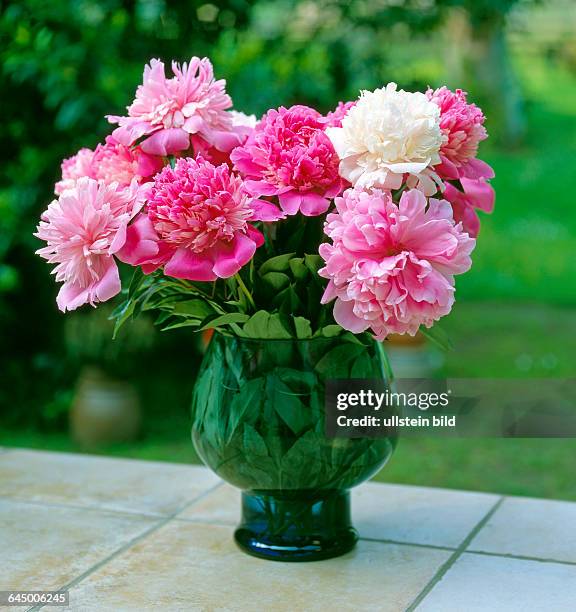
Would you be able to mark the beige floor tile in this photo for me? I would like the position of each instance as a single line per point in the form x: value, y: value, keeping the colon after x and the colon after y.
x: 415, y: 515
x: 531, y: 527
x: 221, y: 506
x: 478, y: 583
x: 43, y: 548
x: 419, y: 515
x: 188, y: 566
x: 115, y: 484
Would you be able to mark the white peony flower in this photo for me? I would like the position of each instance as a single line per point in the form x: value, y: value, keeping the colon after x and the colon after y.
x: 387, y: 134
x: 240, y: 119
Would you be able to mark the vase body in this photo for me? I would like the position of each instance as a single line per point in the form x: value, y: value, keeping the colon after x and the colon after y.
x: 258, y: 422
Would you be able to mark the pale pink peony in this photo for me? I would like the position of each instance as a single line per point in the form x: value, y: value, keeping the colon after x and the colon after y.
x: 117, y: 163
x: 111, y: 162
x: 477, y: 194
x: 73, y: 168
x: 463, y: 126
x: 290, y: 156
x: 83, y: 229
x: 197, y: 223
x: 391, y: 266
x: 167, y: 111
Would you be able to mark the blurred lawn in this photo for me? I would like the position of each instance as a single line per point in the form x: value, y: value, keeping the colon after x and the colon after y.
x: 526, y: 248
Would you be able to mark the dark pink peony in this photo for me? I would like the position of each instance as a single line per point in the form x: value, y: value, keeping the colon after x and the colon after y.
x: 463, y: 125
x: 197, y: 223
x: 477, y: 195
x: 290, y: 156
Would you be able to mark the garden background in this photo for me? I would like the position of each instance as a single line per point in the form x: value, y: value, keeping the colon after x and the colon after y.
x: 66, y: 64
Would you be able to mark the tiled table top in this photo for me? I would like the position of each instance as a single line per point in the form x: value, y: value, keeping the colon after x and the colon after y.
x: 133, y: 535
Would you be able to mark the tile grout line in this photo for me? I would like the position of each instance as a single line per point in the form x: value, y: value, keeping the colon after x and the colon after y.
x: 135, y: 540
x: 126, y: 513
x: 519, y: 557
x: 453, y: 557
x: 400, y: 543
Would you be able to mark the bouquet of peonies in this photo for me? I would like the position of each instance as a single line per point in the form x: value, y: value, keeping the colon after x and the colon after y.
x: 293, y: 225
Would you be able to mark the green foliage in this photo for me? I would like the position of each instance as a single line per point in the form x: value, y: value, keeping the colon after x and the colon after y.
x: 279, y: 299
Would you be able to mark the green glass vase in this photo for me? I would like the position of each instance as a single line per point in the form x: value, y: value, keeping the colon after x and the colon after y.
x: 258, y: 422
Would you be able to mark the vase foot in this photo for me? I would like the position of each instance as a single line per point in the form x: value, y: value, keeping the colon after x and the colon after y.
x: 296, y: 525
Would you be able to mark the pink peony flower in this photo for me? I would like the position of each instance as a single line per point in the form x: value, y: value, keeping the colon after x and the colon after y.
x: 463, y: 125
x: 73, y: 168
x: 110, y: 162
x: 391, y: 266
x: 197, y: 223
x: 114, y: 162
x: 334, y: 118
x: 477, y: 194
x: 83, y: 229
x: 290, y: 156
x: 168, y: 110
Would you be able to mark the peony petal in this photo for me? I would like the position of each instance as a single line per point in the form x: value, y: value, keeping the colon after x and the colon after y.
x: 71, y: 296
x: 260, y: 188
x: 230, y: 257
x: 148, y: 165
x: 109, y: 285
x: 166, y: 142
x: 290, y: 202
x: 265, y: 211
x: 223, y: 141
x: 141, y: 244
x: 256, y: 235
x: 476, y: 169
x: 345, y: 317
x: 314, y: 205
x: 338, y: 140
x: 447, y: 169
x: 129, y: 133
x: 184, y: 263
x: 480, y: 194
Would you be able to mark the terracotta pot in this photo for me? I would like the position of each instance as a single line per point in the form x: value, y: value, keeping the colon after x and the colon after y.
x: 104, y: 410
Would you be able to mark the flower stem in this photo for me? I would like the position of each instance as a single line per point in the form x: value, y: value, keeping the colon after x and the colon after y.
x: 245, y: 290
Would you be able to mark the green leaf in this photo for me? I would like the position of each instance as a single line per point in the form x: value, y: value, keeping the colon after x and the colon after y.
x: 297, y: 380
x: 280, y: 263
x: 437, y: 336
x: 313, y: 263
x: 331, y: 331
x: 197, y: 308
x: 298, y: 268
x: 266, y: 326
x: 301, y: 459
x: 277, y: 280
x: 226, y: 319
x: 185, y: 323
x: 287, y: 404
x: 363, y: 367
x: 246, y: 400
x: 136, y: 281
x: 253, y: 442
x: 303, y: 327
x: 123, y: 314
x: 336, y: 363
